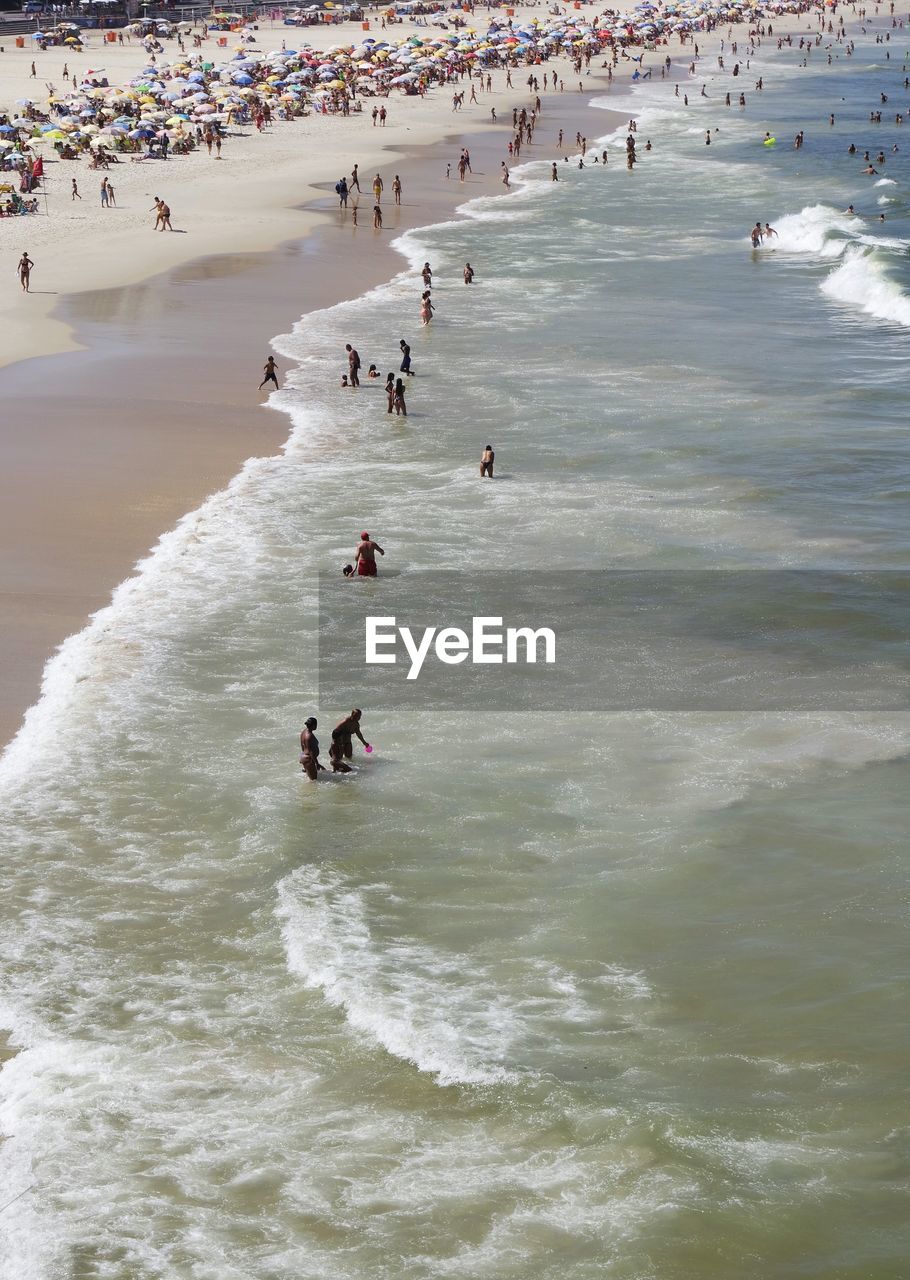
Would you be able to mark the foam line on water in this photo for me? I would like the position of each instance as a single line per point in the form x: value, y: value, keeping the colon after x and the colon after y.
x: 419, y: 1005
x: 862, y: 283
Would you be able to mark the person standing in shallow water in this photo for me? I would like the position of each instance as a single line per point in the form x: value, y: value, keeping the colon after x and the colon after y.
x: 401, y: 409
x: 365, y: 555
x: 487, y: 458
x: 342, y: 747
x: 309, y: 750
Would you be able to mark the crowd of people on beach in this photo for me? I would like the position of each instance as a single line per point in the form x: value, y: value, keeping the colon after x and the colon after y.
x: 524, y: 123
x: 195, y: 102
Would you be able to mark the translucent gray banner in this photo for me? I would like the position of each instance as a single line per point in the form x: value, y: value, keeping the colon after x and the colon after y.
x: 746, y: 640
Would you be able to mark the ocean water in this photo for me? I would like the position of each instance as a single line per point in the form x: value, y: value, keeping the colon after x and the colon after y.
x: 583, y: 995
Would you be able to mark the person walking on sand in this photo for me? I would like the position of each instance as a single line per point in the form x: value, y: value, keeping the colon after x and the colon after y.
x: 104, y: 196
x: 355, y: 181
x: 271, y: 374
x: 365, y: 556
x: 378, y: 188
x: 24, y: 271
x: 75, y: 195
x: 165, y: 215
x: 396, y: 189
x: 309, y: 749
x: 112, y: 203
x: 487, y: 458
x: 353, y: 364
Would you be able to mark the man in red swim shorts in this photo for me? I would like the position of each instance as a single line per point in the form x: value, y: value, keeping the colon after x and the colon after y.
x: 365, y: 556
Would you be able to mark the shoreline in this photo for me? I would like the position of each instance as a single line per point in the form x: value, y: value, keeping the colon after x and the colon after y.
x: 83, y: 501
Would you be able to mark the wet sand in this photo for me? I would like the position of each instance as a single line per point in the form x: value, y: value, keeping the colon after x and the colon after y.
x: 105, y: 448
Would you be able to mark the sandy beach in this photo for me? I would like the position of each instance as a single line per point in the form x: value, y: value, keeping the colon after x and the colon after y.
x: 130, y: 386
x: 593, y: 963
